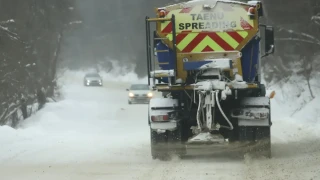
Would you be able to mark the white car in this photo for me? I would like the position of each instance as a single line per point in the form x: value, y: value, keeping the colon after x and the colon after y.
x: 139, y: 93
x: 92, y: 79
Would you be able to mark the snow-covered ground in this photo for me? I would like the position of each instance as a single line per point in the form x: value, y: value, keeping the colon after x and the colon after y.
x: 92, y: 133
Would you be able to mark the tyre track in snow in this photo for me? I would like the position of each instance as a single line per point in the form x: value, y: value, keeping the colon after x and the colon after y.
x: 296, y: 167
x: 296, y: 155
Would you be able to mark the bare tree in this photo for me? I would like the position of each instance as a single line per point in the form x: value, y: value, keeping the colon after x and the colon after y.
x: 30, y: 41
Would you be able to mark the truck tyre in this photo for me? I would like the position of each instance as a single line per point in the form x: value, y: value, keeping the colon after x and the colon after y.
x: 177, y: 147
x: 256, y: 139
x: 159, y: 145
x: 166, y: 144
x: 260, y: 145
x: 263, y: 143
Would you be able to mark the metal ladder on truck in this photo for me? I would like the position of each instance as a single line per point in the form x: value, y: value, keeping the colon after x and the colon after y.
x: 150, y: 47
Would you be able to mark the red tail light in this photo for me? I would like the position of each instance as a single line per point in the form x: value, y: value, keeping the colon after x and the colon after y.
x: 165, y: 117
x: 251, y: 10
x: 162, y: 13
x: 160, y: 118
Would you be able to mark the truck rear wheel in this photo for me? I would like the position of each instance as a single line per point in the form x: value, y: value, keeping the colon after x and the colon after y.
x: 260, y: 142
x: 177, y: 147
x: 263, y: 142
x: 164, y: 145
x: 159, y: 145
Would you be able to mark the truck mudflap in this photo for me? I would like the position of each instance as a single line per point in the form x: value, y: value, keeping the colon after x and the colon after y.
x: 253, y: 111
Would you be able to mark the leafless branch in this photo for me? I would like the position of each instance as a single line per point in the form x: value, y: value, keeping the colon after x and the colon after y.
x: 297, y: 39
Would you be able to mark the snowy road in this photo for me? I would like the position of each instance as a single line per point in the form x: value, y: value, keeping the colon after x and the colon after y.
x: 93, y: 134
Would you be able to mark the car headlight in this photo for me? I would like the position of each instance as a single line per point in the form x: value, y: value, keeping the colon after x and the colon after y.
x: 150, y: 94
x: 131, y: 94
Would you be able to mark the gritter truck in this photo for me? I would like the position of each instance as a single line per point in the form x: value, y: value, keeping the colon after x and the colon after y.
x: 204, y: 57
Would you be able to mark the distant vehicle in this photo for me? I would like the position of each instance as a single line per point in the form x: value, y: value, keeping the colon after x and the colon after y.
x: 92, y: 79
x: 139, y: 93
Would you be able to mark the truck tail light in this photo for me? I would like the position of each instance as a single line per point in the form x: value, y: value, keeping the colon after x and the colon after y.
x: 251, y: 11
x: 160, y: 118
x: 162, y: 13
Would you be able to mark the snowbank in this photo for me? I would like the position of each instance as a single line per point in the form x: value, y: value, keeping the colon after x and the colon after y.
x: 89, y: 124
x: 85, y: 122
x: 293, y: 98
x: 295, y: 107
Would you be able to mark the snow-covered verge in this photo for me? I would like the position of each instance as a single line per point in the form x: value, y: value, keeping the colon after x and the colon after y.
x: 87, y: 121
x: 13, y: 115
x: 296, y: 104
